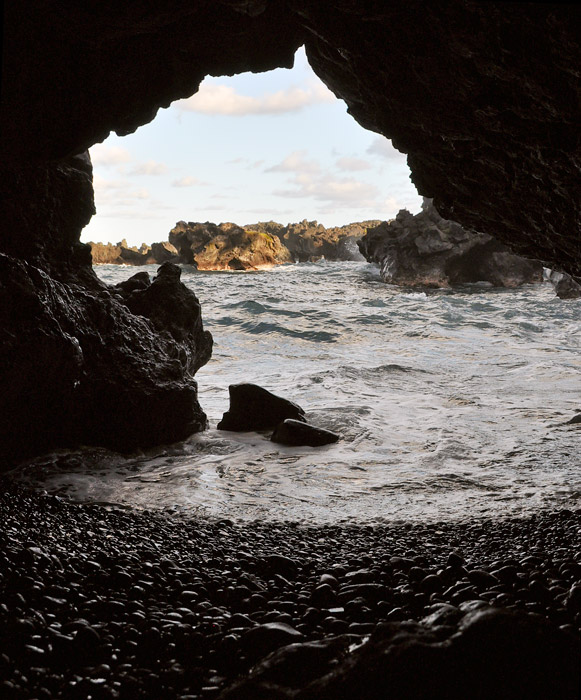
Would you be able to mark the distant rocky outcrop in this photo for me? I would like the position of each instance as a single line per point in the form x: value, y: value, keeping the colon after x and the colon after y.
x: 308, y: 241
x: 226, y: 247
x: 123, y: 254
x: 427, y: 250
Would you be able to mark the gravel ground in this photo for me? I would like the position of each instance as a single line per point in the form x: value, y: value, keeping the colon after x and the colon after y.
x: 101, y: 602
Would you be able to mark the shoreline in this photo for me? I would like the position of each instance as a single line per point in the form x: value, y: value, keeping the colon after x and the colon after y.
x: 189, y: 605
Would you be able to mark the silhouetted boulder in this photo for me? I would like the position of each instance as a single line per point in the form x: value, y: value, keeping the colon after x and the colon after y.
x: 91, y: 364
x: 487, y: 654
x: 255, y: 408
x: 427, y: 250
x: 294, y: 432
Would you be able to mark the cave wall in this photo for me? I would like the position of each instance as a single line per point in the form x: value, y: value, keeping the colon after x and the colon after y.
x: 482, y: 96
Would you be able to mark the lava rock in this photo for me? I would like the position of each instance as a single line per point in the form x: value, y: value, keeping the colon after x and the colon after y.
x: 564, y: 285
x: 427, y: 250
x: 261, y: 640
x: 255, y: 408
x: 487, y: 654
x: 295, y: 432
x: 226, y: 247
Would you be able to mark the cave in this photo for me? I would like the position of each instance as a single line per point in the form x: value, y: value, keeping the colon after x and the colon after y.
x: 482, y: 96
x: 489, y: 125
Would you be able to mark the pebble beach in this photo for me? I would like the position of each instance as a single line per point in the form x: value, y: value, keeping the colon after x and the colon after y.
x: 106, y: 602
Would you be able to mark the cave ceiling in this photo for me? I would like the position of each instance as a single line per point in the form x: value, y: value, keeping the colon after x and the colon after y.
x: 483, y: 97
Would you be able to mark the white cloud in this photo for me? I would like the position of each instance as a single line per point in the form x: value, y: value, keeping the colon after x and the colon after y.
x: 381, y: 146
x: 188, y: 181
x: 217, y: 99
x: 117, y: 193
x: 353, y: 164
x: 295, y: 163
x: 326, y: 188
x: 151, y: 167
x: 108, y: 156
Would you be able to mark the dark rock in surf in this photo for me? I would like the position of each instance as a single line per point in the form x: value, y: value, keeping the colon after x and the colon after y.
x: 576, y: 420
x: 294, y: 432
x: 564, y: 285
x: 255, y: 408
x: 427, y: 250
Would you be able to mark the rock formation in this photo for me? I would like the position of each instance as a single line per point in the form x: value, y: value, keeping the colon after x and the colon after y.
x: 483, y: 97
x: 226, y: 247
x: 123, y: 254
x: 295, y: 432
x: 230, y: 247
x: 564, y: 285
x: 310, y: 241
x: 254, y: 408
x: 485, y: 654
x: 426, y: 250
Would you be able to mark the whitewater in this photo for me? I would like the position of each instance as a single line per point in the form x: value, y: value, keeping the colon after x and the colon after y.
x: 451, y: 404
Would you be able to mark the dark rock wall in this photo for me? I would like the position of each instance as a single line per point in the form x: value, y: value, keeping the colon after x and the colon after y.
x: 107, y: 367
x: 483, y: 96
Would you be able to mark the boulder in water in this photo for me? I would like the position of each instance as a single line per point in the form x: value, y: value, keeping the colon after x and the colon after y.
x: 564, y: 285
x: 255, y: 408
x: 294, y: 432
x: 427, y: 250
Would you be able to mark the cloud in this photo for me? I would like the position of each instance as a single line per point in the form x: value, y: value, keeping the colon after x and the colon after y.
x: 188, y: 181
x: 216, y: 99
x: 295, y: 163
x: 353, y: 164
x: 151, y: 167
x: 117, y: 193
x: 340, y: 192
x: 108, y: 156
x: 381, y: 146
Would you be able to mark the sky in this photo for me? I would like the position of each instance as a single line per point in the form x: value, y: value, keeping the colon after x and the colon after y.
x: 253, y: 147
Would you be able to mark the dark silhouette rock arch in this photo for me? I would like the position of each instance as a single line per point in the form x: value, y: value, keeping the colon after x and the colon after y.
x: 482, y: 96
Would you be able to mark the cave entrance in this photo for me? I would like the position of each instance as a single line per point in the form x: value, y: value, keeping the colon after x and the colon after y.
x: 255, y: 147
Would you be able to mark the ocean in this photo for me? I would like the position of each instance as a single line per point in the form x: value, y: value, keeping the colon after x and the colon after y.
x: 451, y: 404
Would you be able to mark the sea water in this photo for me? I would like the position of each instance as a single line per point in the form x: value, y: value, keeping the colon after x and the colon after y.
x: 450, y: 403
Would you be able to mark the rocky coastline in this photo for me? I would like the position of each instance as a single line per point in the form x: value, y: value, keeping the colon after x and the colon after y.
x: 427, y: 250
x: 103, y: 602
x: 227, y: 246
